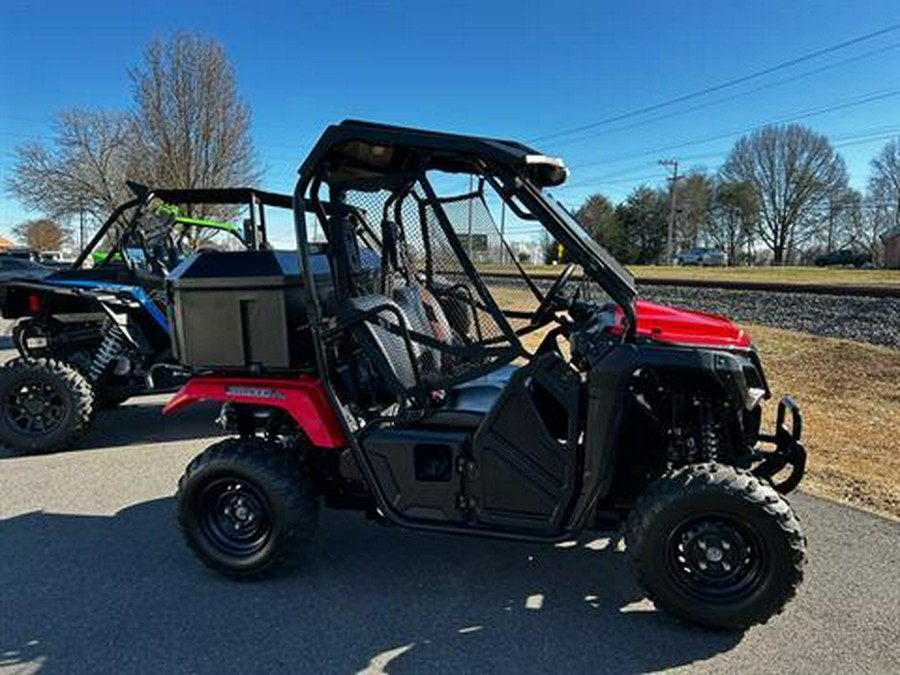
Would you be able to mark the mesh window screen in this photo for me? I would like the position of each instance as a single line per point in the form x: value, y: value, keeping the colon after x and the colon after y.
x: 457, y: 330
x: 482, y: 243
x: 458, y: 286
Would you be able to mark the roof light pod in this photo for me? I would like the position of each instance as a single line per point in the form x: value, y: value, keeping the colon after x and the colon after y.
x: 546, y: 171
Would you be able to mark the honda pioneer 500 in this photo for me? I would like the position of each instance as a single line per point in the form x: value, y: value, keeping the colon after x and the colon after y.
x: 410, y: 362
x: 95, y: 334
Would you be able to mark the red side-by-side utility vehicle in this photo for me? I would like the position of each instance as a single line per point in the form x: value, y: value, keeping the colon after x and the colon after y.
x: 410, y: 359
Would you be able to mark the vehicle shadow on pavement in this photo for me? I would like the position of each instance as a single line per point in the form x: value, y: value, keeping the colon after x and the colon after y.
x: 141, y: 422
x: 87, y: 594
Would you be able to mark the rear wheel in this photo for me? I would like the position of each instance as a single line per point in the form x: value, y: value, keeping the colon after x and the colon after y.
x: 106, y: 396
x: 247, y: 507
x: 715, y: 546
x: 45, y: 405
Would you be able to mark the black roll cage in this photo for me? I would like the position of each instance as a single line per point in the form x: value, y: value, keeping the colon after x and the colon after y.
x: 522, y: 172
x: 507, y: 159
x: 254, y: 236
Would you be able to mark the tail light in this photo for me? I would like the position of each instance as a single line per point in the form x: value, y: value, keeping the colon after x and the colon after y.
x: 34, y: 303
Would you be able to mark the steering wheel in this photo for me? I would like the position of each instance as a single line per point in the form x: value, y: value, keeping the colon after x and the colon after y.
x: 548, y: 304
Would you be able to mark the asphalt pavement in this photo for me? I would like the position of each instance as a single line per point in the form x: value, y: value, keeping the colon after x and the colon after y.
x: 94, y: 579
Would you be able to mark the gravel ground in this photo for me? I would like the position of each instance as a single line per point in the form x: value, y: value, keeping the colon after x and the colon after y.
x: 873, y: 320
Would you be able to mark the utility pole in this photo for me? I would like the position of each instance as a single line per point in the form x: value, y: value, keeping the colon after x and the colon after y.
x: 80, y: 225
x: 503, y: 232
x: 670, y: 251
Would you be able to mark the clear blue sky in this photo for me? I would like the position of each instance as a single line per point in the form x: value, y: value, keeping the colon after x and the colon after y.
x: 516, y: 69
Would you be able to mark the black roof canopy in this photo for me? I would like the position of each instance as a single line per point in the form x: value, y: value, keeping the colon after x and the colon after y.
x: 230, y: 195
x: 356, y: 149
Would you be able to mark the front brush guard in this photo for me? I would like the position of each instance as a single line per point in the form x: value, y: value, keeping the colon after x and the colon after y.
x: 787, y: 451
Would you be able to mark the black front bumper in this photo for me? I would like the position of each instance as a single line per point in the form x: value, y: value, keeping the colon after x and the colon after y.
x: 782, y: 449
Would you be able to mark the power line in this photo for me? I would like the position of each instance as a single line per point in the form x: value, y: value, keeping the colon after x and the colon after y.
x: 624, y: 175
x: 881, y: 134
x: 720, y: 86
x: 811, y: 112
x: 725, y: 99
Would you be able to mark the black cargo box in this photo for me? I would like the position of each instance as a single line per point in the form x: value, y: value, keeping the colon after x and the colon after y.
x: 242, y: 310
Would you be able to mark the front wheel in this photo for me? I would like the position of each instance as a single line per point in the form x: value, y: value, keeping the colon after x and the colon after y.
x: 713, y: 545
x: 246, y: 507
x: 45, y: 405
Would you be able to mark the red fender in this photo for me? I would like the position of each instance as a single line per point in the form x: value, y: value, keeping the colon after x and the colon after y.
x: 303, y: 398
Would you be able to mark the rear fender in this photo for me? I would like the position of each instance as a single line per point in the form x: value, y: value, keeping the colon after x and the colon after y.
x: 302, y: 398
x: 44, y: 298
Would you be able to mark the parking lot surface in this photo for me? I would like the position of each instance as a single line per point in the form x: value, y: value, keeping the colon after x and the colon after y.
x: 94, y: 578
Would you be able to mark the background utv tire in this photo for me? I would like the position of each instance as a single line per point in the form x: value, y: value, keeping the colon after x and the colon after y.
x: 247, y: 507
x: 45, y: 405
x: 715, y: 546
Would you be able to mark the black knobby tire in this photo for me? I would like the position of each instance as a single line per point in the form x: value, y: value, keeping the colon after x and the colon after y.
x: 105, y: 397
x: 45, y: 404
x: 715, y: 546
x: 261, y: 491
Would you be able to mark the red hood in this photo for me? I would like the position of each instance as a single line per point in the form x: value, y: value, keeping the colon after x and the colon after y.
x: 685, y: 326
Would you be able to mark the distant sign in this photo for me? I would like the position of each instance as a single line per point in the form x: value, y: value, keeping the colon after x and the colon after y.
x: 479, y: 241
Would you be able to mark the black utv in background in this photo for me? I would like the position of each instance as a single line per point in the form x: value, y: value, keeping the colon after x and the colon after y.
x: 92, y: 335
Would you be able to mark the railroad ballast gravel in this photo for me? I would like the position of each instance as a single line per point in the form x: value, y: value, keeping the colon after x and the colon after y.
x: 865, y: 319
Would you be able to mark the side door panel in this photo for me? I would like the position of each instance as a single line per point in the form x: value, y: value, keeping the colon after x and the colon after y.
x: 527, y: 454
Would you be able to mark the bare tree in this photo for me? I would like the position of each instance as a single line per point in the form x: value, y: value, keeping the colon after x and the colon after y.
x: 884, y: 185
x: 42, y: 234
x: 191, y: 128
x: 793, y: 172
x: 188, y: 128
x: 82, y: 171
x: 843, y: 214
x: 880, y: 209
x: 735, y: 211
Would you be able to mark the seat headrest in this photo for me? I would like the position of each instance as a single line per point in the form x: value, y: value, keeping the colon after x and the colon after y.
x: 390, y: 236
x: 345, y: 258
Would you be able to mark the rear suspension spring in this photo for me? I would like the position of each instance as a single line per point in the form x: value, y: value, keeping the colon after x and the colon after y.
x: 111, y: 347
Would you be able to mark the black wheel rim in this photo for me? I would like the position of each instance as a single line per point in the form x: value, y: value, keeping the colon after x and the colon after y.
x: 35, y: 408
x: 235, y: 517
x: 716, y: 559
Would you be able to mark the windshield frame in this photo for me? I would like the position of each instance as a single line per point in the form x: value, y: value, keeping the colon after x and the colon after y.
x: 597, y: 263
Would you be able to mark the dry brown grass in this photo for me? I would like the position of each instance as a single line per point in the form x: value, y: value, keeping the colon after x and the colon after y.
x: 850, y: 396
